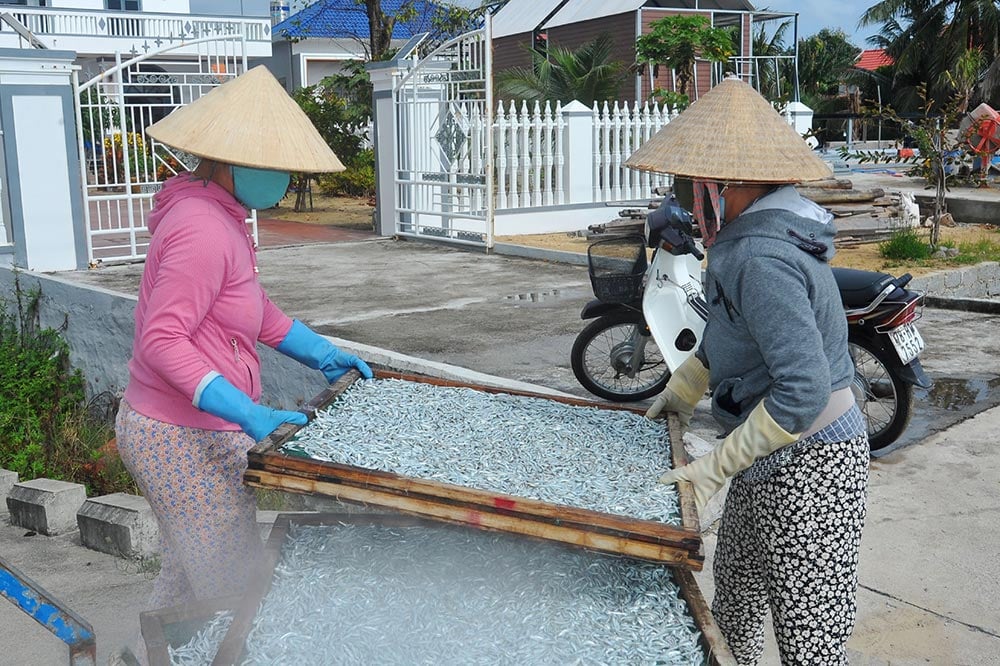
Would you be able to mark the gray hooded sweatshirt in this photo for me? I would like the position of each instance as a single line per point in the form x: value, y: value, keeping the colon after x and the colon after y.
x: 776, y: 327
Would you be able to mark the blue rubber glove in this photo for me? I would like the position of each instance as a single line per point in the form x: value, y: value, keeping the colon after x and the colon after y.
x: 318, y: 353
x: 222, y: 399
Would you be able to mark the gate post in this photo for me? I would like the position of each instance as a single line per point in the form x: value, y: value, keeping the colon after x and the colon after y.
x: 384, y: 76
x: 579, y: 146
x: 41, y: 159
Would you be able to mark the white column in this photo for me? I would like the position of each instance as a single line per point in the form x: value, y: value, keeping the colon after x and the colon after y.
x: 800, y: 117
x: 383, y: 76
x: 579, y: 149
x: 41, y: 156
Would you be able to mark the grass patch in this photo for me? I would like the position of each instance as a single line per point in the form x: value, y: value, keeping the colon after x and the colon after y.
x: 905, y: 245
x: 977, y: 252
x: 910, y: 247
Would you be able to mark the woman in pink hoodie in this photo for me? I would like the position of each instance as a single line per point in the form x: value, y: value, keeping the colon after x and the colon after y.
x: 190, y: 412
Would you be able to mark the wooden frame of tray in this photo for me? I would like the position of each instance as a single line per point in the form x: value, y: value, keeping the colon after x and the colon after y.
x: 645, y: 539
x: 153, y: 624
x: 233, y: 645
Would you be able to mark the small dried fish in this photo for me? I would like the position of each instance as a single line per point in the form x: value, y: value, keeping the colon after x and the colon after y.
x: 203, y: 646
x: 598, y: 459
x: 368, y: 593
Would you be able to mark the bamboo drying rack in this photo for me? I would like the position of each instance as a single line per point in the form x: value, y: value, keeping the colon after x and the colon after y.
x: 645, y: 539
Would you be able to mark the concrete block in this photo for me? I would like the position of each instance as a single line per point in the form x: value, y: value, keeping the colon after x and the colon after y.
x: 7, y: 481
x: 120, y: 524
x: 932, y: 284
x: 46, y: 506
x: 953, y: 279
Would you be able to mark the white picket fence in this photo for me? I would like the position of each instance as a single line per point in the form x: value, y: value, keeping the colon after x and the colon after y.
x: 618, y: 132
x: 543, y: 158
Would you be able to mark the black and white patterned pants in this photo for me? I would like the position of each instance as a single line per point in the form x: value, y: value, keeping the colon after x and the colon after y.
x: 789, y: 542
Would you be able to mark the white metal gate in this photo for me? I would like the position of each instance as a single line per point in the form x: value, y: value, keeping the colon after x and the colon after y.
x: 444, y: 155
x: 121, y: 167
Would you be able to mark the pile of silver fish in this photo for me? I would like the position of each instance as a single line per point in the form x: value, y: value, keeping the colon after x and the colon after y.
x: 599, y: 459
x: 373, y: 594
x: 203, y: 646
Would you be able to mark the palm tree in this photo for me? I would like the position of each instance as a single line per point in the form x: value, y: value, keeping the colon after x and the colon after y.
x: 773, y: 79
x: 929, y: 38
x: 586, y: 74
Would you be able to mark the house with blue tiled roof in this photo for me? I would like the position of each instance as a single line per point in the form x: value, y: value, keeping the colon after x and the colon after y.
x: 316, y: 42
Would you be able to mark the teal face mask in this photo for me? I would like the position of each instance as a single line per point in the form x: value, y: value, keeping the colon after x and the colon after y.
x: 259, y: 188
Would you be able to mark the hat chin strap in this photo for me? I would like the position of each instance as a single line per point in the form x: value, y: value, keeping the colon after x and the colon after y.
x: 709, y: 225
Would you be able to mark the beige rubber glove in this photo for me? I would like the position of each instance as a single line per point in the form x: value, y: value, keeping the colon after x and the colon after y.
x: 683, y: 391
x: 755, y: 438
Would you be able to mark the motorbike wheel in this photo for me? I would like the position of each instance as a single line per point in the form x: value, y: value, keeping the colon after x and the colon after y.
x: 886, y: 401
x: 601, y: 354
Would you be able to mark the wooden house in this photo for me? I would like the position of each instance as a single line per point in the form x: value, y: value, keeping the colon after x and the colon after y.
x: 522, y: 25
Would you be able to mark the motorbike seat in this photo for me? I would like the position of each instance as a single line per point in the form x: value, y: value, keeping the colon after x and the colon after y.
x: 859, y: 288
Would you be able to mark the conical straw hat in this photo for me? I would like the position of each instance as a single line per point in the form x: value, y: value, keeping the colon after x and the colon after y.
x: 249, y: 121
x: 731, y: 134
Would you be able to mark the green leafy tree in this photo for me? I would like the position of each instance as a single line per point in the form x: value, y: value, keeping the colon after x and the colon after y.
x: 678, y: 41
x: 586, y: 74
x: 824, y: 62
x: 937, y: 143
x: 775, y: 79
x: 340, y: 107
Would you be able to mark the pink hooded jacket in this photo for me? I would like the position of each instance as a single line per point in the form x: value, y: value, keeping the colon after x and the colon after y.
x: 201, y: 310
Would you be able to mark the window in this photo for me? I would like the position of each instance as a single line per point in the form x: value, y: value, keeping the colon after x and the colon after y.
x: 122, y: 5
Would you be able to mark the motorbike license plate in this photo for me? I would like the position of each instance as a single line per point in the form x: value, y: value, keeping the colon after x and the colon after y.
x: 907, y: 341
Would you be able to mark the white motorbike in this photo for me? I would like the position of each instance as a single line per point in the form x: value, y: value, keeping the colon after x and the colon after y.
x: 649, y: 316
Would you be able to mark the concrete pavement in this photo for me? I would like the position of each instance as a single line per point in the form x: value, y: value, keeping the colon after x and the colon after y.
x: 929, y: 571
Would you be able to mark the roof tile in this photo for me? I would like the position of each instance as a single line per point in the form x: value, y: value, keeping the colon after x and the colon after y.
x: 872, y: 59
x: 346, y: 18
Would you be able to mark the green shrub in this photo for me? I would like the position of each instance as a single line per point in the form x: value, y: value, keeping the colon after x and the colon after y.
x: 47, y: 429
x: 905, y: 245
x: 357, y: 181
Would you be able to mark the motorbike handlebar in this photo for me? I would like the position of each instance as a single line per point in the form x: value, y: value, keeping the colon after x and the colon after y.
x: 678, y: 243
x: 693, y: 249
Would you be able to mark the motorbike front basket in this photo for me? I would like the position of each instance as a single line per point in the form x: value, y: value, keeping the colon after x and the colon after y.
x: 617, y: 267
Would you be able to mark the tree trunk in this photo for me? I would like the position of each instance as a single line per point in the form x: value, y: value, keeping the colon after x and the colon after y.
x: 684, y: 77
x: 301, y: 188
x: 939, y: 205
x: 379, y: 29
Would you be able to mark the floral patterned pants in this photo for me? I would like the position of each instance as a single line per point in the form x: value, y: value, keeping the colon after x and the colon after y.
x: 789, y: 543
x: 193, y: 480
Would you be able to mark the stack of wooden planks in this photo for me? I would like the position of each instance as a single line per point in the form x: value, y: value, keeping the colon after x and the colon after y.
x: 861, y: 215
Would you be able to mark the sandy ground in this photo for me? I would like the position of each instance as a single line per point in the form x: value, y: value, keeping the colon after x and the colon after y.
x: 345, y: 212
x: 356, y: 213
x: 865, y: 256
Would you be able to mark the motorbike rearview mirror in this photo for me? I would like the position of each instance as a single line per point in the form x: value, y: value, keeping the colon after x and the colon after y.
x: 669, y: 215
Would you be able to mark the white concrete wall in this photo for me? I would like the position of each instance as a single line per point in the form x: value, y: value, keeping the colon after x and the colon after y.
x: 41, y: 163
x: 166, y: 6
x: 317, y: 68
x: 231, y: 7
x: 152, y: 6
x: 42, y: 168
x: 77, y: 4
x: 518, y: 222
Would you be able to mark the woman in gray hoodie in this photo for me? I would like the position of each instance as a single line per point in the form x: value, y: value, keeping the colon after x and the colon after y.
x: 775, y: 356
